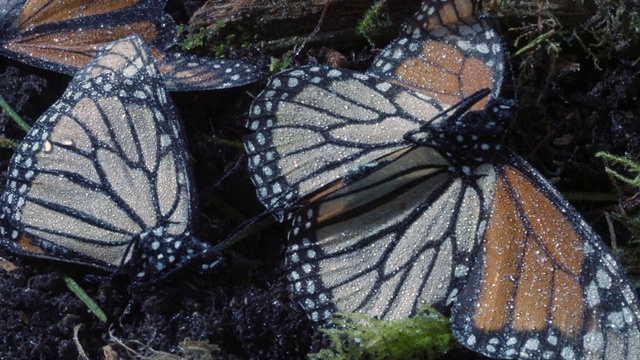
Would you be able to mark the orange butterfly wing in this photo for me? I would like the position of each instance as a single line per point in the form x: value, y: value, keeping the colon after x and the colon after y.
x: 63, y: 35
x: 526, y: 275
x: 543, y: 284
x: 40, y: 12
x: 446, y: 53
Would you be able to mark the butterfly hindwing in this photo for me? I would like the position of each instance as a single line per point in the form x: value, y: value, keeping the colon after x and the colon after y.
x: 373, y: 246
x: 561, y: 292
x: 102, y: 177
x: 185, y: 72
x: 62, y: 36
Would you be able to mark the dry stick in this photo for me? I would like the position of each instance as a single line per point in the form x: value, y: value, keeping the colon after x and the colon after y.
x: 315, y: 31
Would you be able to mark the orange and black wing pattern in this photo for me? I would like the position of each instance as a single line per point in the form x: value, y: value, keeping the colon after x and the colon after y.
x: 186, y: 72
x: 542, y: 284
x: 447, y: 52
x: 64, y: 35
x: 400, y: 194
x: 102, y: 178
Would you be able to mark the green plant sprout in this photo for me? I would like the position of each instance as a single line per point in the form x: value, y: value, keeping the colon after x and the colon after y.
x: 542, y: 40
x: 85, y: 298
x: 632, y: 166
x: 13, y: 115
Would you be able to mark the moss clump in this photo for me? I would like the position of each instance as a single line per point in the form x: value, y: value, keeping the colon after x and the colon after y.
x: 279, y: 64
x: 192, y: 39
x: 370, y: 22
x: 615, y: 28
x: 424, y: 336
x: 632, y: 166
x: 213, y: 39
x: 632, y: 223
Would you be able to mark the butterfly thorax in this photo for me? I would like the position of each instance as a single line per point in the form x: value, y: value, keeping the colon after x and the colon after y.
x: 473, y: 138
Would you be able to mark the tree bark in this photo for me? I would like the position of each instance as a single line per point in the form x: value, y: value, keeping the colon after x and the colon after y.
x: 282, y: 24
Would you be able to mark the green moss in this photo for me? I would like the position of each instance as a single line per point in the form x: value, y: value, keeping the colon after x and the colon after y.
x: 612, y: 30
x: 217, y: 43
x: 629, y: 256
x: 279, y: 64
x: 632, y: 166
x: 7, y: 143
x: 424, y: 336
x: 195, y: 38
x: 615, y: 27
x: 370, y: 22
x: 537, y: 46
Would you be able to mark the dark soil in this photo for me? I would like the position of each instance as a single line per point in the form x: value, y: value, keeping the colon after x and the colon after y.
x: 242, y: 308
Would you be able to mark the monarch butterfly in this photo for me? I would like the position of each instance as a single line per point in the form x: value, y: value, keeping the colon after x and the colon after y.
x: 63, y: 35
x: 102, y: 177
x: 401, y: 195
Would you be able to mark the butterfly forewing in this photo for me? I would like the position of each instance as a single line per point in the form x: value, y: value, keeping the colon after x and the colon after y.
x: 343, y: 130
x: 40, y: 12
x: 446, y: 53
x: 63, y: 35
x: 102, y: 176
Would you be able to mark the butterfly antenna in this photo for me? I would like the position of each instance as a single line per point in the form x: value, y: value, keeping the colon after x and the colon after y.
x: 461, y: 107
x: 234, y: 168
